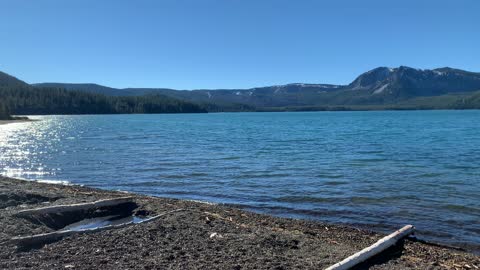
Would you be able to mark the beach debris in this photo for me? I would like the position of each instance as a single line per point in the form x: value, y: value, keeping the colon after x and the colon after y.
x: 214, y: 215
x: 332, y: 242
x: 374, y: 249
x: 44, y: 238
x: 215, y: 235
x: 60, y: 216
x: 57, y: 209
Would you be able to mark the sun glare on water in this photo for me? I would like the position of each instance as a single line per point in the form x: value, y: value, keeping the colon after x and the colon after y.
x: 20, y: 146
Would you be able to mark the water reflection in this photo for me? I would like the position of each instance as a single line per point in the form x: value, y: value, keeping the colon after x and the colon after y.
x: 24, y: 147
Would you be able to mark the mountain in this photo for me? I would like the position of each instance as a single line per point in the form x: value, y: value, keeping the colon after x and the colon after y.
x: 10, y: 81
x: 380, y: 86
x: 410, y: 82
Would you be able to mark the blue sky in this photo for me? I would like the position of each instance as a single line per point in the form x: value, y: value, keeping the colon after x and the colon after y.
x: 231, y: 43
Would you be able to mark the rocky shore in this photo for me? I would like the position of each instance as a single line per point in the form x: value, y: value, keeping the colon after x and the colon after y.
x: 199, y: 236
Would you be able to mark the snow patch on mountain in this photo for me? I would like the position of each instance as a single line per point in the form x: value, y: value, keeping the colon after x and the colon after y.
x: 380, y: 90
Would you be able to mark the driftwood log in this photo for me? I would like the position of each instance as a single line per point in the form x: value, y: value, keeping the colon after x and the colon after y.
x: 74, y: 207
x: 373, y: 250
x: 40, y: 239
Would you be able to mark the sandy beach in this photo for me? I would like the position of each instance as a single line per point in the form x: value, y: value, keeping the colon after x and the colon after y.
x: 198, y: 236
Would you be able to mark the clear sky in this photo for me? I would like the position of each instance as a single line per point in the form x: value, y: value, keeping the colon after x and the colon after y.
x: 231, y: 43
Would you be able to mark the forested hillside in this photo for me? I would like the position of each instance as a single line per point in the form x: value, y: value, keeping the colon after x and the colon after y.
x: 4, y: 115
x: 25, y: 100
x: 18, y: 97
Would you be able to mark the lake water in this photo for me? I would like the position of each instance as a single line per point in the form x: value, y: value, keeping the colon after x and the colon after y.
x: 379, y: 170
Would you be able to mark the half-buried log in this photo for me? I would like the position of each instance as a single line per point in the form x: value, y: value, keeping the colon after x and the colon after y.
x: 58, y: 209
x: 373, y: 250
x: 38, y: 240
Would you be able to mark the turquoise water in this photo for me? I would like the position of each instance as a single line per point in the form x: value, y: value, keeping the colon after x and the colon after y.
x: 379, y: 170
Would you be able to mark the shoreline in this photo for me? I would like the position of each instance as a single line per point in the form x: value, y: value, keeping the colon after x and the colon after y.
x: 204, y: 235
x: 466, y: 247
x: 253, y: 111
x: 13, y: 121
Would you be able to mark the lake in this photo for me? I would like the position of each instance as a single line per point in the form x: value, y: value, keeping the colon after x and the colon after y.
x: 378, y: 170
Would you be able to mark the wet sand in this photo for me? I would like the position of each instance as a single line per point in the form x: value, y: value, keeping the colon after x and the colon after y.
x: 201, y: 236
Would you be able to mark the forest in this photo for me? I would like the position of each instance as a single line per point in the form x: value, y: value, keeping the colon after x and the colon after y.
x: 4, y: 114
x: 29, y: 100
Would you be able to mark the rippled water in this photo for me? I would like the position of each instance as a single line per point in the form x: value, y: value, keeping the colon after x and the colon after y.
x: 375, y: 169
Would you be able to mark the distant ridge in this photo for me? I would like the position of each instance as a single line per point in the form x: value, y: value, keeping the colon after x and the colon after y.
x: 94, y: 88
x: 378, y: 87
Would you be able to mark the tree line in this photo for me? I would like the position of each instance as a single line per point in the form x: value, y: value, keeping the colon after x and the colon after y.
x: 29, y: 100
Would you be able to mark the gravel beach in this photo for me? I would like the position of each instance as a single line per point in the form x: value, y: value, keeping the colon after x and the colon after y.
x: 198, y: 236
